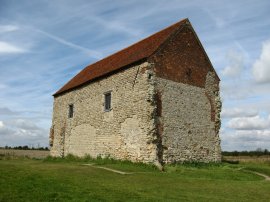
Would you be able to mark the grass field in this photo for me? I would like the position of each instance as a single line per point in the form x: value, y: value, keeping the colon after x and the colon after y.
x: 23, y: 179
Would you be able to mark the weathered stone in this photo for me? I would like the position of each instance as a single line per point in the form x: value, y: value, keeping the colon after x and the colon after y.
x: 164, y: 109
x: 125, y: 132
x: 128, y: 131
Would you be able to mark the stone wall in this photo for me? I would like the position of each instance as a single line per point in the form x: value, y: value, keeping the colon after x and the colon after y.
x: 187, y: 126
x: 188, y: 103
x: 125, y: 132
x: 163, y: 110
x: 152, y: 119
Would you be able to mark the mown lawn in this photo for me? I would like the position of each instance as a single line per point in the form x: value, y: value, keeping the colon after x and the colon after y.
x: 57, y: 180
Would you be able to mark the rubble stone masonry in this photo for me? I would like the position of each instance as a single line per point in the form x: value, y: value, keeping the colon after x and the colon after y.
x: 189, y: 133
x: 127, y: 131
x: 165, y: 109
x: 152, y: 119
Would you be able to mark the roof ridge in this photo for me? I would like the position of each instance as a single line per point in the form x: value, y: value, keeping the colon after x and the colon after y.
x: 140, y: 41
x: 126, y: 56
x: 171, y: 35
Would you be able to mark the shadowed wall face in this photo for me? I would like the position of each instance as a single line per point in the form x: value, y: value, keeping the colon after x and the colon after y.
x: 188, y: 101
x: 188, y: 131
x: 182, y: 59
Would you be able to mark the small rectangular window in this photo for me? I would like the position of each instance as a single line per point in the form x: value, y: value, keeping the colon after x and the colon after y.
x: 108, y: 100
x: 70, y: 110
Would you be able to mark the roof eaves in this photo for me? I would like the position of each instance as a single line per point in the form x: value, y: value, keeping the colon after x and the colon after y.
x: 80, y: 78
x: 100, y: 77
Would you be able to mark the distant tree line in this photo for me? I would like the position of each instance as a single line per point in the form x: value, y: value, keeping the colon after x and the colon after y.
x: 25, y: 147
x: 257, y: 152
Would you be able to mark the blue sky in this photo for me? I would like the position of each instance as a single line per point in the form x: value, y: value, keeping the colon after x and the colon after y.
x: 45, y: 43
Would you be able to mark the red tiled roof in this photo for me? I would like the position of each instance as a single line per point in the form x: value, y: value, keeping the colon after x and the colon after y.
x: 138, y: 51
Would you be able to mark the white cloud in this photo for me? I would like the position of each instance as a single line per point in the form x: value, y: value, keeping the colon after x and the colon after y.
x: 4, y: 130
x: 220, y: 23
x: 1, y: 124
x: 117, y: 26
x: 245, y: 140
x: 249, y: 123
x: 8, y: 28
x: 25, y: 124
x: 22, y: 132
x: 261, y: 67
x: 254, y: 135
x: 236, y: 89
x: 236, y: 64
x: 238, y: 112
x: 6, y: 48
x: 3, y: 86
x: 7, y: 111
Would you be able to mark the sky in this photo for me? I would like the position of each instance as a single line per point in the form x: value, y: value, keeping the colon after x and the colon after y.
x: 45, y: 43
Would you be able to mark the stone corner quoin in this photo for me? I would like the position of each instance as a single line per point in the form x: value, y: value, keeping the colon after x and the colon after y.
x: 163, y: 108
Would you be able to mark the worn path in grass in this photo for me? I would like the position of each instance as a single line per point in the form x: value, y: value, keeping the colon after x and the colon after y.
x: 112, y: 170
x: 108, y: 169
x: 36, y: 180
x: 266, y: 177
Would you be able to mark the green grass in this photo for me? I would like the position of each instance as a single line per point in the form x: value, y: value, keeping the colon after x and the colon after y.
x: 55, y: 179
x: 122, y: 165
x: 261, y: 168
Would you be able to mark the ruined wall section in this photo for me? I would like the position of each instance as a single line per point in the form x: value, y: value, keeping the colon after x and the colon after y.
x: 212, y: 92
x: 125, y: 132
x: 186, y: 126
x: 187, y: 91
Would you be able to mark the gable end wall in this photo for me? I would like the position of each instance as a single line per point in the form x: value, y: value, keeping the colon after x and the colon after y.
x: 188, y: 100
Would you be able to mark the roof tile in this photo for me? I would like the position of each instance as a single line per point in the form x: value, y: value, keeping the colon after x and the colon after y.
x: 138, y: 51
